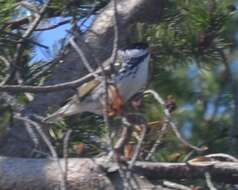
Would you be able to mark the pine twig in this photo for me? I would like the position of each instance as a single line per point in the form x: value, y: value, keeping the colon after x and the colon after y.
x: 171, y: 123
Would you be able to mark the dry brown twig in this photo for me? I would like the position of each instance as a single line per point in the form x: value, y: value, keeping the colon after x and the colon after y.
x: 211, y: 159
x: 222, y: 156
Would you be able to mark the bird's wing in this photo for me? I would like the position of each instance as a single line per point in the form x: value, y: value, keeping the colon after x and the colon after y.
x: 72, y: 105
x: 83, y: 91
x: 86, y: 88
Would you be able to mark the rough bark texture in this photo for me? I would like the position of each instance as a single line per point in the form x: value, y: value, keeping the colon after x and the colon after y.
x: 99, y: 46
x: 39, y: 174
x: 226, y: 172
x: 89, y: 174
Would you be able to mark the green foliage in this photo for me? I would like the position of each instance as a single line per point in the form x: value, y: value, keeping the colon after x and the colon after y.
x: 191, y: 31
x: 188, y: 64
x: 7, y: 10
x: 75, y: 7
x: 87, y: 130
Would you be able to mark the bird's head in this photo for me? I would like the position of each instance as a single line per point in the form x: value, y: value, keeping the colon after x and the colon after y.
x: 134, y: 54
x: 135, y: 50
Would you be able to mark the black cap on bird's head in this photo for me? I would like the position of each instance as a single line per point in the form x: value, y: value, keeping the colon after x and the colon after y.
x: 138, y: 45
x: 134, y: 54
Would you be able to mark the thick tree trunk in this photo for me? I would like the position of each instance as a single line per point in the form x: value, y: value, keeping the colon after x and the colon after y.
x: 89, y: 174
x: 99, y: 44
x: 39, y: 174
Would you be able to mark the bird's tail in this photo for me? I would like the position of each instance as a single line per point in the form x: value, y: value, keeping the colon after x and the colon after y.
x: 67, y: 110
x: 55, y: 117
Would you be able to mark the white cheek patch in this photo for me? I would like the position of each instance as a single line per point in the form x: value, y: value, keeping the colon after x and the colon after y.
x: 135, y: 52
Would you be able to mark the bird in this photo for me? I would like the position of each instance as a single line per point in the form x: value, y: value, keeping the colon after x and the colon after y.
x: 130, y: 78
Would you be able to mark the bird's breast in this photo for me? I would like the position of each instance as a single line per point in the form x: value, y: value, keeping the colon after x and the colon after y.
x: 133, y: 80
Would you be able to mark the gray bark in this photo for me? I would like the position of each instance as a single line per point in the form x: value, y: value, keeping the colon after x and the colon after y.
x: 39, y: 174
x: 87, y: 174
x: 98, y: 46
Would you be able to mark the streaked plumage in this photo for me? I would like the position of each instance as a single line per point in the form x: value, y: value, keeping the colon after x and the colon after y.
x: 131, y: 78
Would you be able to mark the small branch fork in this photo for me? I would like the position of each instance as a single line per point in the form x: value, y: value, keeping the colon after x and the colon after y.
x: 20, y: 45
x: 171, y: 123
x: 82, y: 56
x: 47, y: 89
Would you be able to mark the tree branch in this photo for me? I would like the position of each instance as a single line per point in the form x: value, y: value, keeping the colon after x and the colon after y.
x: 47, y: 88
x: 226, y: 172
x: 19, y: 173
